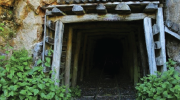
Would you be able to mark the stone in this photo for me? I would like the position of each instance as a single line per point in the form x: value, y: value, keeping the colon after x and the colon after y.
x: 175, y: 27
x: 49, y: 1
x: 21, y: 11
x: 37, y: 51
x: 173, y: 48
x: 168, y: 23
x: 6, y: 2
x: 34, y: 5
x: 30, y: 32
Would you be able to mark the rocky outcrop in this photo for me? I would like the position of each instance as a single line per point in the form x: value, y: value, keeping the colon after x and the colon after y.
x: 7, y: 2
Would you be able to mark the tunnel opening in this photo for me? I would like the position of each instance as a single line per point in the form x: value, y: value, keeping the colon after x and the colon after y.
x: 109, y: 58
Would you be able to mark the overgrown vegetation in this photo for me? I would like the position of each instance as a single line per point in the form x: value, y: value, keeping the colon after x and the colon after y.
x: 18, y: 81
x: 164, y: 86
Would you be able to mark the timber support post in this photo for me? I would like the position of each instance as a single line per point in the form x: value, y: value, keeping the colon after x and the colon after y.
x: 84, y: 57
x: 56, y: 63
x: 76, y: 59
x: 150, y: 45
x: 68, y: 58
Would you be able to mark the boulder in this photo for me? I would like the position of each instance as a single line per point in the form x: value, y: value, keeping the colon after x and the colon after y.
x: 34, y: 5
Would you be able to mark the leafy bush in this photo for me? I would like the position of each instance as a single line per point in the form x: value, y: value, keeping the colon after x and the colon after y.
x: 164, y: 86
x: 18, y: 81
x: 75, y: 91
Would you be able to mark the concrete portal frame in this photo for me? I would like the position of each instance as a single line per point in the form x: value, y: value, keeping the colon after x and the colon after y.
x: 94, y: 18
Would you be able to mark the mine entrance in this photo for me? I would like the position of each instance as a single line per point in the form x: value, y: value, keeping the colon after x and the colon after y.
x: 109, y: 61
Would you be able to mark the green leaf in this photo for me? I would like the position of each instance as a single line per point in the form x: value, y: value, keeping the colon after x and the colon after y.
x: 23, y: 92
x: 25, y: 63
x: 39, y: 62
x: 36, y: 91
x: 41, y: 86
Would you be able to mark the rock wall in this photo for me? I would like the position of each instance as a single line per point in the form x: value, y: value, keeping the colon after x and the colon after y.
x: 172, y: 17
x: 24, y: 21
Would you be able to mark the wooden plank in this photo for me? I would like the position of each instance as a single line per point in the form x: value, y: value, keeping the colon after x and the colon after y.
x: 135, y: 57
x: 160, y: 23
x: 106, y: 4
x: 44, y: 43
x: 101, y: 9
x: 77, y: 9
x: 68, y: 58
x: 49, y: 40
x: 157, y: 45
x: 84, y: 57
x: 172, y: 33
x: 142, y: 53
x: 123, y: 8
x: 155, y: 29
x: 57, y: 11
x: 150, y: 8
x: 97, y: 17
x: 56, y: 63
x: 150, y: 45
x: 76, y: 59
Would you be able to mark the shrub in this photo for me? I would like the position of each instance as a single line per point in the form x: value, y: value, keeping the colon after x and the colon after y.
x: 18, y: 81
x: 164, y: 86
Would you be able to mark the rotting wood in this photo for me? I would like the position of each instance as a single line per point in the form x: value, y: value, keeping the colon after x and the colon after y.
x: 123, y: 8
x: 44, y: 43
x: 76, y: 59
x: 151, y: 7
x: 56, y: 11
x: 101, y: 9
x: 83, y: 60
x: 157, y: 45
x: 77, y: 9
x: 150, y: 45
x: 172, y: 33
x: 56, y: 63
x: 155, y: 29
x: 142, y: 53
x: 68, y: 58
x: 135, y: 57
x: 160, y: 23
x: 107, y: 17
x: 49, y: 40
x: 106, y: 4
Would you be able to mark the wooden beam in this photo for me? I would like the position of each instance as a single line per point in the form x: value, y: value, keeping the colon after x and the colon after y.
x: 56, y: 63
x: 68, y: 58
x: 56, y: 11
x: 157, y: 45
x: 101, y: 9
x: 107, y: 17
x: 123, y: 8
x: 76, y: 59
x: 172, y: 33
x: 150, y: 45
x: 84, y: 57
x: 142, y: 53
x: 49, y: 40
x: 155, y: 29
x: 160, y: 23
x: 150, y: 8
x: 77, y: 9
x: 106, y: 4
